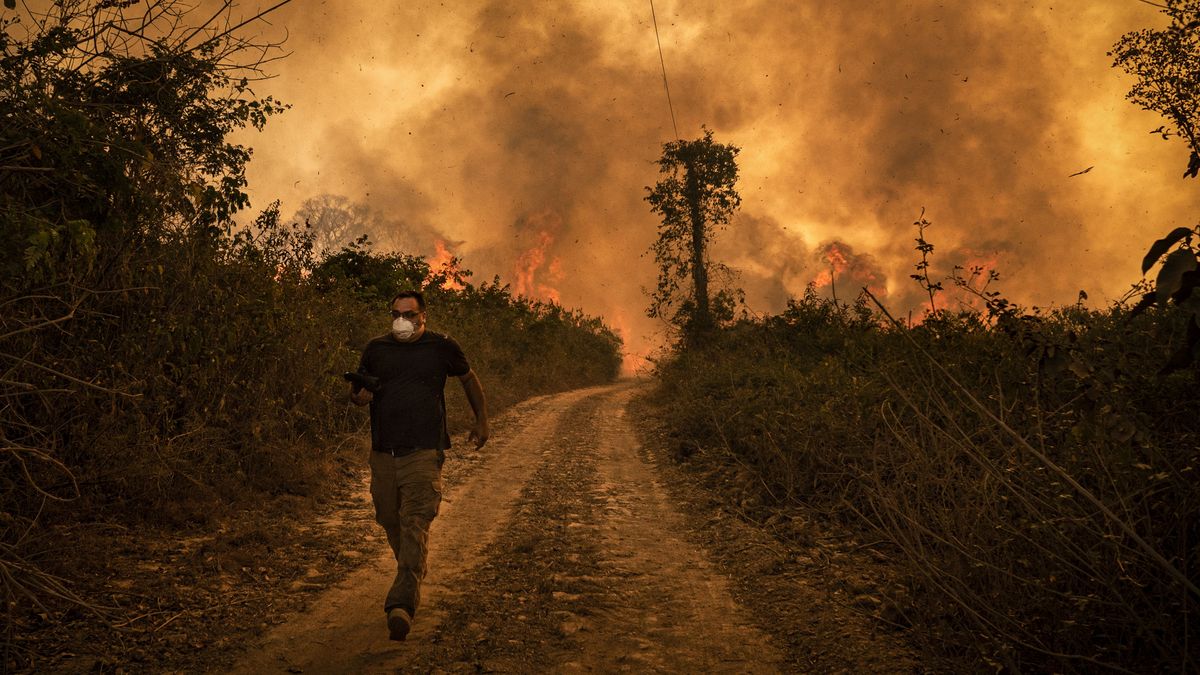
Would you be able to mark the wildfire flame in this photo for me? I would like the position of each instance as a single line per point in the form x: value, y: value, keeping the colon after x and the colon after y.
x: 533, y: 275
x: 835, y: 265
x: 841, y: 265
x: 444, y: 263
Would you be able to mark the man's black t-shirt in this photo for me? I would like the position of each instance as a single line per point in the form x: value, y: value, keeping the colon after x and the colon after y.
x: 409, y: 409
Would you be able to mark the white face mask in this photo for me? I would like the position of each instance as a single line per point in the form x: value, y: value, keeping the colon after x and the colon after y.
x: 403, y: 329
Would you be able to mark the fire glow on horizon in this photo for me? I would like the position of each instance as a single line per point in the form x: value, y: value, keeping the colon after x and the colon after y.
x: 525, y: 135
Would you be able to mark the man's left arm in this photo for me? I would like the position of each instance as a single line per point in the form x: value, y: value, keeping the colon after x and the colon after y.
x: 474, y: 391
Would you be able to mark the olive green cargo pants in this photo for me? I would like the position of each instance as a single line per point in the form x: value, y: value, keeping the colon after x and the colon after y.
x: 407, y: 492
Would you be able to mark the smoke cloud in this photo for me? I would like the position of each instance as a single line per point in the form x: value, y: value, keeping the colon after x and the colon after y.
x: 526, y: 133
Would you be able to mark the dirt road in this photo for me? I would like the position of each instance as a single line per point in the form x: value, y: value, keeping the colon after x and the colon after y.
x: 557, y: 549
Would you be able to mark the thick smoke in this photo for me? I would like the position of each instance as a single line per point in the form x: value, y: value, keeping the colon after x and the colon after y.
x: 336, y: 221
x: 770, y: 262
x: 840, y: 264
x: 527, y: 131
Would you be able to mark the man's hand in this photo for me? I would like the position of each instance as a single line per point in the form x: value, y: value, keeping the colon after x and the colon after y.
x: 474, y: 391
x: 361, y: 397
x: 479, y: 433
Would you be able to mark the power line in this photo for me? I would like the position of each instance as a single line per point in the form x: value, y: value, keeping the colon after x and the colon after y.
x: 664, y: 70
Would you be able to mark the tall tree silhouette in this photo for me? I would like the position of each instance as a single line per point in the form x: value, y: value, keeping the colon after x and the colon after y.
x: 694, y: 196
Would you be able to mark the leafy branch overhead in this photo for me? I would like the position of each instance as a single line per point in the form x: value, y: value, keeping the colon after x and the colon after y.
x: 1166, y: 64
x: 115, y: 122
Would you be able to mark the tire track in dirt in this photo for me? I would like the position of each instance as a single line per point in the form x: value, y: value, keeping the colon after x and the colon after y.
x: 595, y: 574
x: 345, y: 631
x: 510, y: 610
x: 685, y: 618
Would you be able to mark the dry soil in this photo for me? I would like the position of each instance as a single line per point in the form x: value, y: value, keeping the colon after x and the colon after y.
x: 571, y: 544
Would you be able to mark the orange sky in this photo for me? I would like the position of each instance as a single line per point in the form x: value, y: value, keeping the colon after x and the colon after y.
x: 505, y: 127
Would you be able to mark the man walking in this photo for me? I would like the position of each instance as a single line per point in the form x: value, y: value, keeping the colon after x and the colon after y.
x: 409, y: 440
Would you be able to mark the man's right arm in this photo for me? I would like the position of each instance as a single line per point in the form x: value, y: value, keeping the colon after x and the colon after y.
x: 481, y: 431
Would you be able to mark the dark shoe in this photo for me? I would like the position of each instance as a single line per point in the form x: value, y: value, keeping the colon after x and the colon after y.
x: 399, y: 623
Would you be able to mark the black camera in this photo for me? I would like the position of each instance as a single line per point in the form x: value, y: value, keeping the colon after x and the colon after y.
x: 362, y: 381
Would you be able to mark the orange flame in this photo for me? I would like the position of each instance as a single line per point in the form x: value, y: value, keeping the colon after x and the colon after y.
x: 531, y: 280
x: 839, y: 260
x: 835, y: 264
x: 444, y: 263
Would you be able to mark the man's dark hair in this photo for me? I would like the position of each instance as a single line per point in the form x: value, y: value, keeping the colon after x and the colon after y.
x: 415, y: 295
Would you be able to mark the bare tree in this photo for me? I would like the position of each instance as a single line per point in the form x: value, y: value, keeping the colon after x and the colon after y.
x: 336, y: 221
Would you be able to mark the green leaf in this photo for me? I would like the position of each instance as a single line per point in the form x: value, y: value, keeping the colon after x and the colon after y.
x: 1170, y: 277
x: 1160, y: 247
x: 1188, y: 285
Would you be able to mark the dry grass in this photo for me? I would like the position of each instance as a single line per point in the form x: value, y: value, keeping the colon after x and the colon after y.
x: 1034, y: 474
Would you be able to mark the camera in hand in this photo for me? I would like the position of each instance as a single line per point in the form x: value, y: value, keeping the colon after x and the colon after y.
x: 362, y: 381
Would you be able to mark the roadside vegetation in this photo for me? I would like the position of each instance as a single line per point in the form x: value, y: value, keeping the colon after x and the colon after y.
x: 1005, y: 462
x: 160, y: 365
x: 1032, y: 473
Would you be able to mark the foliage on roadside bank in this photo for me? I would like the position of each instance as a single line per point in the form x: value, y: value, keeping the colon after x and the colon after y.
x: 1010, y: 461
x: 212, y: 373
